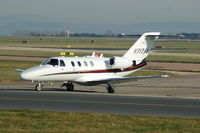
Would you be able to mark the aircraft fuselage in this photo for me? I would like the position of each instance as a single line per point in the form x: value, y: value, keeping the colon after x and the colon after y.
x: 74, y: 68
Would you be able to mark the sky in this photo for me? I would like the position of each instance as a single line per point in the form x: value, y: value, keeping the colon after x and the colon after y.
x: 16, y: 13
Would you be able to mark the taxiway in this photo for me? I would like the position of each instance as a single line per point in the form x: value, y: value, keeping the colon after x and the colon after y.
x: 177, y: 96
x: 100, y: 103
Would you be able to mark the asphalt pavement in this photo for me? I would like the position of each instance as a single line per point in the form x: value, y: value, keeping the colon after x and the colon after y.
x: 99, y: 103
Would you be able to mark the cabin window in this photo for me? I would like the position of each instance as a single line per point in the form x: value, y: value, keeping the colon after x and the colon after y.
x: 62, y: 63
x: 73, y: 64
x: 79, y: 63
x: 53, y: 62
x: 91, y: 63
x: 85, y: 63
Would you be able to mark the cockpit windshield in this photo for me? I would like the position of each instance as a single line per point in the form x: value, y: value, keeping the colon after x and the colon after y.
x: 45, y: 62
x: 53, y: 62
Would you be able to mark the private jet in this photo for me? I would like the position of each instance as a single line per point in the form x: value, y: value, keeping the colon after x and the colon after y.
x: 94, y: 69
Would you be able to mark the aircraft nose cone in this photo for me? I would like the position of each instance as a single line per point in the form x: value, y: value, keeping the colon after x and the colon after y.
x: 25, y: 76
x: 31, y: 74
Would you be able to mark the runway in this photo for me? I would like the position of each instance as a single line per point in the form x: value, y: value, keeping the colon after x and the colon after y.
x: 99, y: 103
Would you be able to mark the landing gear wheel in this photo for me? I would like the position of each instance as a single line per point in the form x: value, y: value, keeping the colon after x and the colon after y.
x: 110, y: 89
x: 38, y: 87
x: 70, y: 86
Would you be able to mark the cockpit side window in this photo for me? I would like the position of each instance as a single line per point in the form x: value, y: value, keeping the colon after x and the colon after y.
x: 53, y: 62
x: 62, y: 63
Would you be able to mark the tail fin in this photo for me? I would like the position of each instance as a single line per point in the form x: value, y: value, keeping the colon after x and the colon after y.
x: 141, y: 48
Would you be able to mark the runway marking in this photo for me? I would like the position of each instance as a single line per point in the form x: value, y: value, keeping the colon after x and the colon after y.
x: 97, y: 102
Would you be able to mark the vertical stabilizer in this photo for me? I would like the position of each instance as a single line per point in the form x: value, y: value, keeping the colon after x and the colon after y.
x: 141, y: 48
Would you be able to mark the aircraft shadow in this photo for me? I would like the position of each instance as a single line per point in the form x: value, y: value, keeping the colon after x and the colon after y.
x: 64, y: 90
x: 49, y: 90
x: 16, y: 89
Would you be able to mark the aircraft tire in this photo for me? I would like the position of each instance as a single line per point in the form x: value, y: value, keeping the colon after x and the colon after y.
x: 38, y: 87
x: 70, y: 87
x: 110, y: 89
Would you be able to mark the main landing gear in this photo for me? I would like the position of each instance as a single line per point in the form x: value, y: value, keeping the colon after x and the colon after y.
x: 110, y: 88
x: 69, y: 86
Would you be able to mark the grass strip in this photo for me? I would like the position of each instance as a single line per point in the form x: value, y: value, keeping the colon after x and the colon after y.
x: 152, y: 58
x: 85, y: 42
x: 173, y: 59
x: 181, y: 51
x: 26, y: 121
x: 46, y: 54
x: 7, y: 69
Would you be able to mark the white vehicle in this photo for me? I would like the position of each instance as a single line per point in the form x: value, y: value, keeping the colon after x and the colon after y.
x: 93, y: 70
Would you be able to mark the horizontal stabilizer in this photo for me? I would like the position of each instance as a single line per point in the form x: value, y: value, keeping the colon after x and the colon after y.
x: 19, y: 70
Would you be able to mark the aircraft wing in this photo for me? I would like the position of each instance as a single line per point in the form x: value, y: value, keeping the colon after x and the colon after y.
x: 127, y: 79
x: 105, y: 80
x: 139, y: 77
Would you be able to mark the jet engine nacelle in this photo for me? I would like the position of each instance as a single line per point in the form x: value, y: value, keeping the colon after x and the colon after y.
x: 120, y: 62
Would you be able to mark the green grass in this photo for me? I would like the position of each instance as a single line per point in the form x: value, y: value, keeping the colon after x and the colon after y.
x: 61, y: 42
x: 45, y: 54
x: 178, y: 59
x: 24, y: 53
x: 25, y: 121
x: 7, y: 69
x: 174, y: 45
x: 182, y: 52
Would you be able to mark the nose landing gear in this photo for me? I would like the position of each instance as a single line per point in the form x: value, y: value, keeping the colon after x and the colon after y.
x: 39, y: 86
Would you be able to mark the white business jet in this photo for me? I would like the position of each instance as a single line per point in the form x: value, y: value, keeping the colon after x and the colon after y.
x: 93, y: 70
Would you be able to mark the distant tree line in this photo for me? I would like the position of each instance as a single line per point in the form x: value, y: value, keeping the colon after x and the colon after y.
x: 191, y: 35
x: 63, y: 34
x: 107, y: 34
